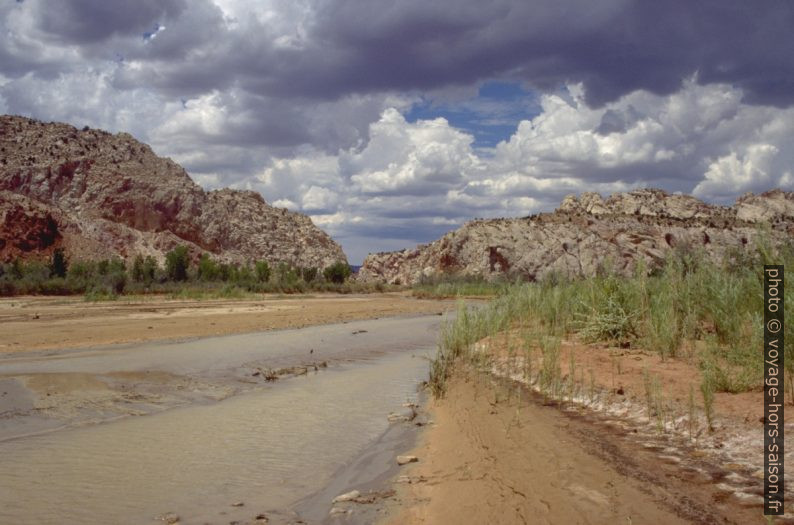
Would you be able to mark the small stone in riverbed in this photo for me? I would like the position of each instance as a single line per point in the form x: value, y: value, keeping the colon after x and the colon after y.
x: 402, y: 460
x: 169, y: 517
x: 238, y: 504
x: 403, y: 479
x: 348, y: 496
x: 338, y: 510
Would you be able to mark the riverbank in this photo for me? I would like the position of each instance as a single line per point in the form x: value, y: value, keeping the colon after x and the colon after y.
x: 496, y: 453
x: 43, y: 323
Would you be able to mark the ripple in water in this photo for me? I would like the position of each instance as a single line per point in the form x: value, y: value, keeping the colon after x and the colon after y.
x: 268, y: 448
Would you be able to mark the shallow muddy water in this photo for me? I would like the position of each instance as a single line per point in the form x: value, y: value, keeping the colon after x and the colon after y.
x: 267, y: 448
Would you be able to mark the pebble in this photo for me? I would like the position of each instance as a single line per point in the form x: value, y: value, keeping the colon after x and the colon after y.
x: 169, y: 517
x: 348, y: 496
x: 402, y: 460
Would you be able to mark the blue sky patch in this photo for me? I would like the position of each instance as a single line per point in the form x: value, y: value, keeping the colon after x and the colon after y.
x: 491, y: 116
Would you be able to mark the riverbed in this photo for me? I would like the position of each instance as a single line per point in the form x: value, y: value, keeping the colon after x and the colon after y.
x: 214, y: 433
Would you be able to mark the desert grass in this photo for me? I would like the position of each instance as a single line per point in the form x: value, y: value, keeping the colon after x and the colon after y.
x: 458, y: 287
x: 690, y: 307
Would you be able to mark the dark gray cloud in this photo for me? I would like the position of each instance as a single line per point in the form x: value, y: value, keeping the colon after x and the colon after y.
x: 305, y: 101
x: 359, y: 46
x: 77, y: 22
x: 613, y: 47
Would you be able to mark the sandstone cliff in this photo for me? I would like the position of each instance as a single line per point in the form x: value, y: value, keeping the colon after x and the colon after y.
x: 585, y: 232
x: 97, y: 194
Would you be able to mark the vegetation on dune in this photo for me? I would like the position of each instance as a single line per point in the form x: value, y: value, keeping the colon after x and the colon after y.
x: 179, y: 277
x: 709, y: 313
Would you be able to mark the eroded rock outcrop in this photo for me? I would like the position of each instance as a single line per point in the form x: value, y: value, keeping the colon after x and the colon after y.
x: 98, y: 194
x: 588, y: 232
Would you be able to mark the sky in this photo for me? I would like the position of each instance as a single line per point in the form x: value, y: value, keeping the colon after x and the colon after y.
x: 393, y: 122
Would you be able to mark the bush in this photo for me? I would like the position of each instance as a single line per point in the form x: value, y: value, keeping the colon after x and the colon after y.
x: 337, y: 272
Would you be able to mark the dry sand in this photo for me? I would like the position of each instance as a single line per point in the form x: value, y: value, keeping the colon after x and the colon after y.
x: 37, y: 323
x: 489, y: 458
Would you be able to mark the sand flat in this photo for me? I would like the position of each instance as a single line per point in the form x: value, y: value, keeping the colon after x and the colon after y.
x: 39, y: 323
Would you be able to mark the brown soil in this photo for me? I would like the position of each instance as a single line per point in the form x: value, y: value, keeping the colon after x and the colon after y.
x: 36, y: 323
x: 621, y: 373
x: 490, y: 458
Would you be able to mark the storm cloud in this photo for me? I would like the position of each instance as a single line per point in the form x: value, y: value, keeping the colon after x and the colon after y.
x: 310, y: 102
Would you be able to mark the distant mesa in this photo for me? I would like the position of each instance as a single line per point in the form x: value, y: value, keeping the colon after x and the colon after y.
x: 588, y: 233
x: 97, y: 195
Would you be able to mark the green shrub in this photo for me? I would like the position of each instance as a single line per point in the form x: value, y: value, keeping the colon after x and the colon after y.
x: 337, y: 272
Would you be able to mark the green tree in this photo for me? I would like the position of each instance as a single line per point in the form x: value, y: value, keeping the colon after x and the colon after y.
x: 309, y: 274
x: 226, y: 272
x: 150, y: 268
x: 244, y: 275
x: 16, y: 268
x: 207, y: 268
x: 177, y: 263
x: 286, y: 274
x: 116, y: 280
x: 58, y: 264
x: 262, y: 270
x: 137, y: 269
x: 337, y: 272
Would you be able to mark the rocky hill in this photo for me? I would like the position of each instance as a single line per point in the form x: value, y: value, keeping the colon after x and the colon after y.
x: 586, y: 232
x: 96, y: 194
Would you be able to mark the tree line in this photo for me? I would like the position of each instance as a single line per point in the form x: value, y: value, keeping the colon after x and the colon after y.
x: 144, y: 274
